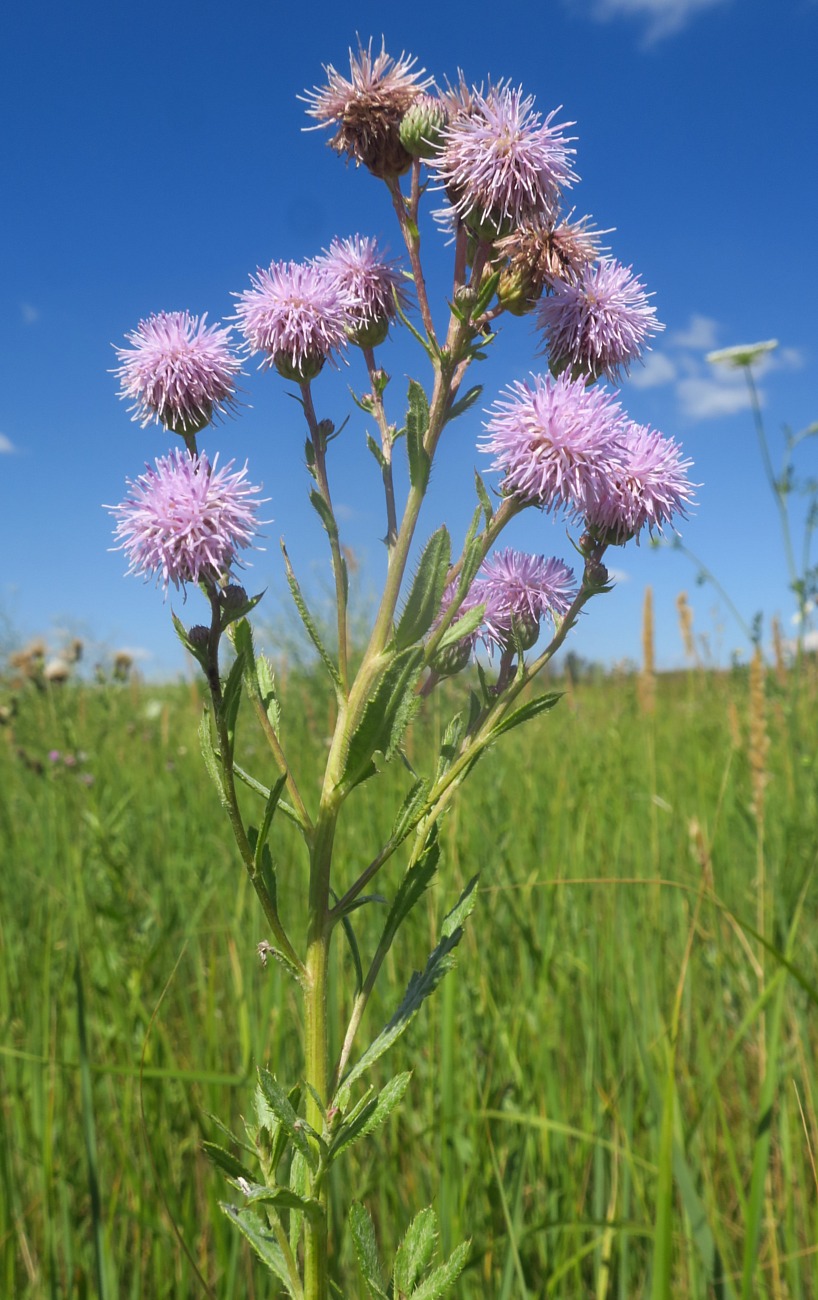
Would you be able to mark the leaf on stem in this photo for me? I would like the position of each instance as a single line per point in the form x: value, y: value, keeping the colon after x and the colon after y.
x: 231, y: 698
x: 307, y: 620
x: 415, y: 1251
x: 297, y: 1129
x: 421, y: 985
x: 366, y: 1250
x: 371, y: 1115
x: 410, y: 811
x: 444, y: 1277
x: 226, y: 1161
x: 376, y: 451
x: 465, y: 403
x: 423, y: 602
x: 200, y: 653
x: 541, y: 704
x: 417, y: 424
x: 385, y: 717
x: 211, y: 760
x: 264, y: 1243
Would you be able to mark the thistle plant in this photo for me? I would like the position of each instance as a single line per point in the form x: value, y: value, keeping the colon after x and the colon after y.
x: 459, y: 619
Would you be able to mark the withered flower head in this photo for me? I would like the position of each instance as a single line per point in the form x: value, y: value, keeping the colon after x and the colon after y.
x: 366, y: 109
x: 540, y: 255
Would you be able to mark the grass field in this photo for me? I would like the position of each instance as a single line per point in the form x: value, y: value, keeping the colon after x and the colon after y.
x: 615, y: 1093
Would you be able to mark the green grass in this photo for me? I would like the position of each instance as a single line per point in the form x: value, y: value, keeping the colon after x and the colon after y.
x: 614, y: 1095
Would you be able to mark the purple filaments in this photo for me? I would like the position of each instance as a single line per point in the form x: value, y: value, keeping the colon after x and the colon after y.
x: 179, y: 371
x: 186, y: 519
x: 599, y: 322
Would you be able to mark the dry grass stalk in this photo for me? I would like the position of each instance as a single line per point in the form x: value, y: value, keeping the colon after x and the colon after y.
x: 759, y: 737
x: 685, y: 614
x: 778, y: 652
x: 647, y: 677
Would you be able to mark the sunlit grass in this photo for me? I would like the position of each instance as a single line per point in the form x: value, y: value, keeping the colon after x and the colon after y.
x: 591, y: 1089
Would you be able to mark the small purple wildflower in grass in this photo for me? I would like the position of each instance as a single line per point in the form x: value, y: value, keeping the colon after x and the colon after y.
x: 550, y: 439
x: 646, y: 484
x: 368, y: 284
x: 296, y: 315
x: 519, y: 590
x: 600, y: 322
x: 501, y: 165
x: 367, y: 107
x: 186, y: 519
x: 54, y: 756
x: 179, y: 372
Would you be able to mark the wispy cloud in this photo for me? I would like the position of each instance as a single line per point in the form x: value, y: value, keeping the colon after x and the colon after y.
x: 29, y: 313
x: 662, y: 18
x: 7, y: 447
x: 704, y: 391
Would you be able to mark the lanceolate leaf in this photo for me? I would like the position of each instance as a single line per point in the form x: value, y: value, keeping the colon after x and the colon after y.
x: 540, y: 704
x: 465, y: 402
x: 462, y: 626
x: 265, y: 681
x: 226, y: 1161
x: 421, y: 985
x: 415, y: 1251
x: 280, y: 1105
x: 366, y: 1250
x: 423, y: 602
x: 410, y: 810
x: 211, y: 762
x: 385, y: 716
x: 417, y: 423
x: 373, y: 1114
x: 307, y: 620
x: 443, y: 1278
x: 264, y: 1243
x: 231, y: 697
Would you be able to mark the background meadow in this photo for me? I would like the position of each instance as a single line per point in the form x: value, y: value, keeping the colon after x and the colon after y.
x: 617, y: 1067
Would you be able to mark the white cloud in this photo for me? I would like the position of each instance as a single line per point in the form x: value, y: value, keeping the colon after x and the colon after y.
x: 657, y: 369
x: 7, y: 447
x: 663, y: 17
x: 703, y: 397
x: 701, y: 334
x: 30, y: 314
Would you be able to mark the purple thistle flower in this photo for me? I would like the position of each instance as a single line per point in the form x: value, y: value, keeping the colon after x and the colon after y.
x: 185, y: 520
x: 599, y: 322
x: 519, y: 590
x: 366, y: 109
x: 368, y: 284
x: 296, y: 315
x: 551, y: 438
x: 646, y: 483
x: 180, y: 372
x: 501, y: 164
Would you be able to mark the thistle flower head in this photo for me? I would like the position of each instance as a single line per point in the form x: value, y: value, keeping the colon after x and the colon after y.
x: 186, y: 519
x: 179, y: 371
x: 296, y: 315
x: 422, y: 124
x: 501, y: 165
x: 646, y: 485
x: 551, y: 439
x: 519, y: 590
x: 368, y: 284
x: 600, y: 322
x: 367, y: 107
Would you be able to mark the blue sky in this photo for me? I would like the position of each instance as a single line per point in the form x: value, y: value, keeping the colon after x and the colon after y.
x: 153, y: 157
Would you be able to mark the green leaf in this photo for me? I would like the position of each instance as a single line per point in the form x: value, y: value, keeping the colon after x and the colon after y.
x: 265, y: 680
x: 421, y: 985
x: 282, y: 1198
x: 269, y: 812
x: 231, y: 698
x: 211, y: 761
x: 376, y: 450
x: 465, y: 402
x: 307, y: 620
x: 540, y: 704
x: 268, y: 1119
x: 264, y: 1244
x: 385, y: 716
x: 417, y: 424
x: 444, y: 1277
x: 299, y: 1184
x: 226, y: 1161
x: 324, y: 513
x: 450, y: 745
x: 366, y: 1250
x: 461, y: 626
x: 282, y: 1108
x: 415, y: 1251
x: 410, y: 810
x: 371, y: 1116
x: 423, y: 602
x: 484, y: 498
